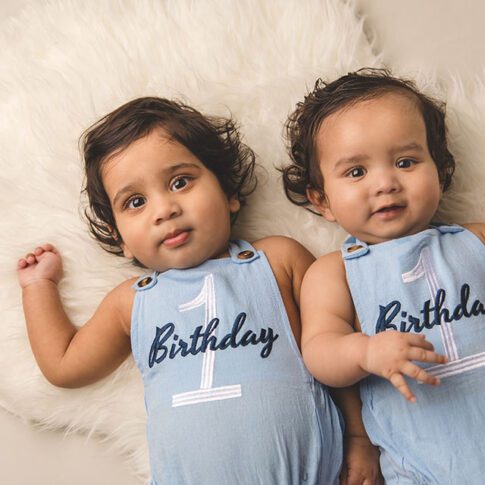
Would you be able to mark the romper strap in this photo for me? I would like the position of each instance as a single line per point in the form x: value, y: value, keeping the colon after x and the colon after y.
x: 448, y: 228
x: 354, y: 248
x: 146, y: 282
x: 242, y: 252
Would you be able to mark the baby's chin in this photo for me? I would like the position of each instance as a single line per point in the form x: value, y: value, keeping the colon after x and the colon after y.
x: 186, y: 263
x: 382, y: 238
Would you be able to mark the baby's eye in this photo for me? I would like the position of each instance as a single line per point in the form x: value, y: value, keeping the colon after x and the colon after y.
x: 135, y: 202
x: 179, y: 183
x: 355, y: 172
x: 405, y: 163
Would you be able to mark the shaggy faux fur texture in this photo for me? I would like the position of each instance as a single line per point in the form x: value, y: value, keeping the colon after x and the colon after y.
x: 66, y: 63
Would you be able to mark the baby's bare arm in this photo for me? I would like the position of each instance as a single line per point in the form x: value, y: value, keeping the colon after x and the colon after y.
x: 69, y: 357
x: 332, y: 350
x: 337, y: 355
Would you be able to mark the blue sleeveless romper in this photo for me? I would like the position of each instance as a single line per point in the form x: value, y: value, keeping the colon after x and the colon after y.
x: 227, y: 395
x: 431, y: 283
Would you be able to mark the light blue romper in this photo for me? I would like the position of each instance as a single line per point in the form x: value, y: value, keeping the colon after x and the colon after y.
x: 228, y: 398
x: 433, y: 283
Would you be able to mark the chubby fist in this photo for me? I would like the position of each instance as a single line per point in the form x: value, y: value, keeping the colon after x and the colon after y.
x: 44, y: 263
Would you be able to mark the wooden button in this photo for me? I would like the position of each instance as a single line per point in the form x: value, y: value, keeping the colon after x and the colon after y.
x: 351, y: 249
x: 245, y: 254
x: 145, y: 281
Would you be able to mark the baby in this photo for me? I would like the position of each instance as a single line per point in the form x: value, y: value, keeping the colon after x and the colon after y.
x: 370, y: 152
x: 213, y: 327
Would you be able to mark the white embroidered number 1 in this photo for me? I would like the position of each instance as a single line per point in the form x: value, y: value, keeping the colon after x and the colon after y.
x: 206, y: 392
x: 424, y: 269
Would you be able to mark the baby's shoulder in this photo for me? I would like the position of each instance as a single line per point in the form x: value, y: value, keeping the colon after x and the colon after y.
x: 477, y: 228
x: 330, y: 265
x: 120, y: 299
x: 333, y: 258
x: 125, y: 288
x: 288, y: 258
x: 283, y: 251
x: 279, y: 245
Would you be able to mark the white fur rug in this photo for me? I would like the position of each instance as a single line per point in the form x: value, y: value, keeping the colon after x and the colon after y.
x: 63, y: 64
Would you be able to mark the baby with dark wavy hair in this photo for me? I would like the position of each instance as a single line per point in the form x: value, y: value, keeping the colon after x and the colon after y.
x: 213, y: 326
x: 401, y: 306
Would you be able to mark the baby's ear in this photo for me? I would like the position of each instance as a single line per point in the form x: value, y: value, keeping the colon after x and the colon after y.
x: 320, y: 203
x: 115, y: 235
x: 234, y: 204
x: 126, y: 252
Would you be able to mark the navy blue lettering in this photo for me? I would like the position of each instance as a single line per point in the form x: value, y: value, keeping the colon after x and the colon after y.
x: 225, y: 342
x: 464, y: 295
x: 477, y: 308
x: 182, y: 349
x: 248, y: 338
x: 426, y: 312
x: 208, y: 340
x: 268, y: 338
x: 238, y: 323
x: 194, y: 350
x: 384, y: 320
x: 158, y: 344
x: 438, y: 313
x: 412, y: 325
x: 168, y: 344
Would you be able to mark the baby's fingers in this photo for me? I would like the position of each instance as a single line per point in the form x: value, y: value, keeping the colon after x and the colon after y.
x: 419, y: 340
x: 30, y: 258
x: 39, y: 250
x: 45, y: 248
x: 422, y: 355
x: 398, y: 381
x: 419, y: 374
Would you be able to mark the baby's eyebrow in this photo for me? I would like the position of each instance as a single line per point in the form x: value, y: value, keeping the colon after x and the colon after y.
x: 356, y: 159
x: 409, y: 146
x: 179, y: 166
x: 126, y: 189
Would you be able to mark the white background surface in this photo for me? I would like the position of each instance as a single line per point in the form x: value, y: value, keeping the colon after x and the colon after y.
x: 445, y: 35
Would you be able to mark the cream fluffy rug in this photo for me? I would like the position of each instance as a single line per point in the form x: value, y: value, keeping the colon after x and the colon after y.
x: 65, y: 63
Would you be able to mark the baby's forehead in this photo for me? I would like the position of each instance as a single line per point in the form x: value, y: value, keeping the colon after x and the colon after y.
x: 398, y: 96
x: 382, y: 122
x: 401, y: 104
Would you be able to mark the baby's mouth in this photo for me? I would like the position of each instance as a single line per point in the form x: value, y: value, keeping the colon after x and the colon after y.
x: 389, y: 211
x: 389, y: 208
x: 176, y: 238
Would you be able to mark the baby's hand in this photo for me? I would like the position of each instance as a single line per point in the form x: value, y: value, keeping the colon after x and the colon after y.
x: 390, y: 354
x: 43, y: 264
x: 361, y: 462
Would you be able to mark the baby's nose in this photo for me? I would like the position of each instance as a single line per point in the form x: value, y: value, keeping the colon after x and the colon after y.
x: 165, y: 209
x: 386, y: 182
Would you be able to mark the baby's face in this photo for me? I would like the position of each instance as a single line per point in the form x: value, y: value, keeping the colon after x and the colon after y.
x: 169, y: 208
x: 380, y: 181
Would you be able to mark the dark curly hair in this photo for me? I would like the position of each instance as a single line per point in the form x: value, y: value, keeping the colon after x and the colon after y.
x: 214, y: 141
x: 327, y: 98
